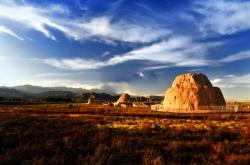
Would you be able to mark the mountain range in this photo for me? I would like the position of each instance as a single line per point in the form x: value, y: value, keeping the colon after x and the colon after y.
x: 55, y: 94
x: 25, y: 91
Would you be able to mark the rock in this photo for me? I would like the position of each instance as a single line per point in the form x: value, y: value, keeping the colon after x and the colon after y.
x: 192, y: 91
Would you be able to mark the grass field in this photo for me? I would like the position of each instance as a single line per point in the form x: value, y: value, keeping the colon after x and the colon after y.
x: 81, y: 134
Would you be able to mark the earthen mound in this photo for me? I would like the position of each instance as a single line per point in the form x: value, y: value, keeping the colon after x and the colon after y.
x: 124, y: 98
x: 91, y: 99
x: 192, y: 91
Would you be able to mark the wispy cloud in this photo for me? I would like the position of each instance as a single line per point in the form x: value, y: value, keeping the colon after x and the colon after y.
x: 109, y: 87
x: 3, y: 29
x: 32, y: 17
x: 43, y: 75
x: 223, y: 16
x: 236, y: 57
x: 142, y: 75
x: 203, y: 62
x: 122, y: 31
x: 216, y: 81
x: 59, y: 17
x: 232, y: 81
x: 156, y: 67
x: 176, y: 51
x: 75, y: 63
x: 105, y: 54
x: 62, y: 83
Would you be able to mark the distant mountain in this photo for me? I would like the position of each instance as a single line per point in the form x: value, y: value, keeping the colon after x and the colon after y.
x: 56, y: 94
x: 98, y: 96
x: 38, y: 89
x: 38, y: 93
x: 53, y: 94
x: 9, y: 92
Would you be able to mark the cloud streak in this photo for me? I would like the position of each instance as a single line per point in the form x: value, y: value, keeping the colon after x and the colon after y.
x: 31, y: 17
x: 43, y: 19
x: 176, y: 51
x: 233, y: 81
x: 223, y: 17
x: 236, y: 57
x: 5, y: 30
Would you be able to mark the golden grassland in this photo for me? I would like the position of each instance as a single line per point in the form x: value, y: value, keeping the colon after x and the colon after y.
x: 83, y: 134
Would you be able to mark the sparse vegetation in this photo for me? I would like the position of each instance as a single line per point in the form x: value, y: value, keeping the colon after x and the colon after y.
x: 61, y: 134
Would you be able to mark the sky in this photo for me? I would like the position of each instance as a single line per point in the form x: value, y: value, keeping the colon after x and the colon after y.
x: 130, y: 46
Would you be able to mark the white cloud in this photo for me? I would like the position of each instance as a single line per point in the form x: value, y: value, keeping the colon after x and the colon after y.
x: 3, y: 29
x: 122, y: 31
x: 156, y: 67
x: 236, y: 57
x: 122, y: 87
x: 174, y: 52
x: 216, y: 81
x: 109, y: 87
x: 224, y: 16
x: 62, y: 83
x: 233, y: 81
x: 105, y: 54
x: 141, y: 74
x: 203, y: 62
x: 104, y: 28
x: 43, y: 75
x: 230, y: 76
x: 31, y: 17
x: 177, y: 51
x: 75, y: 63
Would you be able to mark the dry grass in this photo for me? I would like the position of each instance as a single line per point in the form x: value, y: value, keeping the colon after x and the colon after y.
x: 81, y: 134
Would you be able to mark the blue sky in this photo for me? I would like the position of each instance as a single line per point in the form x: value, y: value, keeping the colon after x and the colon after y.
x: 125, y: 45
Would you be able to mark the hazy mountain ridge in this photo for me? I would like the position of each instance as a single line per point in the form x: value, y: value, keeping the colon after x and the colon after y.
x: 52, y: 93
x: 10, y: 92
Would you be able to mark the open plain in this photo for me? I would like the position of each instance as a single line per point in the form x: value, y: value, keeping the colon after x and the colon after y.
x: 88, y: 134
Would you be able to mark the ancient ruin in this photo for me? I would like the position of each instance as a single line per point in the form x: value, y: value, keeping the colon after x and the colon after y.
x: 91, y: 100
x: 123, y: 101
x: 192, y: 91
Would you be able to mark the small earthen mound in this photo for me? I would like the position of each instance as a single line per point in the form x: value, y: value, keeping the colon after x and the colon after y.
x: 124, y: 99
x: 91, y: 99
x: 192, y: 91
